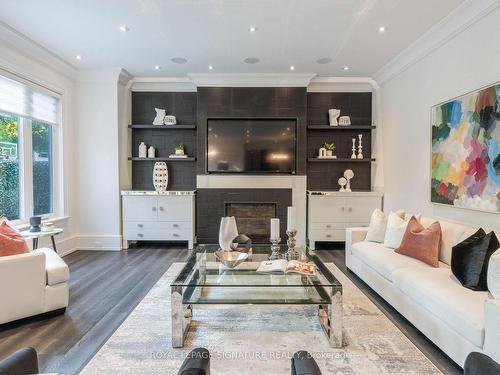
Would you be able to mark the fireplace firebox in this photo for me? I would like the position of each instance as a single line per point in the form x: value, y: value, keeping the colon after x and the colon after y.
x: 252, y: 218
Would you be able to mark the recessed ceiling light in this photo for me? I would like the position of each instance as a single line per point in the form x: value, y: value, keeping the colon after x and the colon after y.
x: 157, y: 67
x: 210, y: 67
x: 78, y: 57
x: 346, y: 68
x: 381, y: 29
x: 324, y: 60
x: 124, y: 28
x: 252, y: 29
x: 178, y: 60
x: 292, y: 68
x: 251, y: 60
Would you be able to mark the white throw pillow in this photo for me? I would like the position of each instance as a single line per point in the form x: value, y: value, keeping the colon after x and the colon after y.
x: 396, y: 228
x: 493, y: 277
x: 378, y: 225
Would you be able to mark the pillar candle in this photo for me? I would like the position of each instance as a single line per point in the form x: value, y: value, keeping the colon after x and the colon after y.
x: 275, y: 229
x: 291, y: 226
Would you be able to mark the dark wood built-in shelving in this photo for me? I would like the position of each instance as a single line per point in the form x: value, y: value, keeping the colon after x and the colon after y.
x: 162, y: 127
x: 338, y: 160
x: 339, y: 127
x: 134, y: 158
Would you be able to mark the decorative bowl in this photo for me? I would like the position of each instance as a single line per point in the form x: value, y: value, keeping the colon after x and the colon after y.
x: 230, y: 258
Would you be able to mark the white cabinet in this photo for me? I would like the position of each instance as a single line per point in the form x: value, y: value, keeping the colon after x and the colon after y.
x: 330, y: 213
x: 149, y: 216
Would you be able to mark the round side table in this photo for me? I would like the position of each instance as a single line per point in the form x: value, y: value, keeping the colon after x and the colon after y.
x: 36, y: 235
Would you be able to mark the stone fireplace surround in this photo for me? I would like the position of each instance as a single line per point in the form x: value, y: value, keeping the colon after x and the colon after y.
x: 214, y: 191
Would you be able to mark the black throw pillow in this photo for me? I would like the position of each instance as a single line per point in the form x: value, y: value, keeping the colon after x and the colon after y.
x: 467, y: 259
x: 493, y: 246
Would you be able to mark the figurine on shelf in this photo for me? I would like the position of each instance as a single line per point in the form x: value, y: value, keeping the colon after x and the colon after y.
x: 360, y: 147
x: 330, y: 147
x: 348, y: 174
x: 151, y: 152
x: 143, y: 150
x: 170, y: 120
x: 160, y: 116
x: 333, y: 114
x: 179, y: 149
x: 322, y: 153
x: 353, y: 156
x: 342, y: 182
x: 344, y: 121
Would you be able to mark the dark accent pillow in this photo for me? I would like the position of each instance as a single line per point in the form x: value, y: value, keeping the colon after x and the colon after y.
x: 469, y: 259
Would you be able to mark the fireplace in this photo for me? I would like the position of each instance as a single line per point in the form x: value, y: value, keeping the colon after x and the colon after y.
x: 253, y: 218
x: 253, y: 209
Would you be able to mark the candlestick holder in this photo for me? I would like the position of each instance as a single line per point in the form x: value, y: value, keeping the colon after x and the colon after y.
x: 291, y: 253
x: 275, y: 249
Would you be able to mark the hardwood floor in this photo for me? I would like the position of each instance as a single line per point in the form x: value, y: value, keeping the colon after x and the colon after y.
x: 106, y: 286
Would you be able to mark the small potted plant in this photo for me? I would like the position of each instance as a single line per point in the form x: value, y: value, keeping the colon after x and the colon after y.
x: 179, y: 149
x: 330, y: 147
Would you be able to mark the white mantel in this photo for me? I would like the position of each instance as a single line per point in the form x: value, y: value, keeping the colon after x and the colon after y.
x: 296, y: 183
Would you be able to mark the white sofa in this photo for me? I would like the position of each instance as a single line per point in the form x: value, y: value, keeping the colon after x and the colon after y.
x: 31, y: 284
x: 458, y: 320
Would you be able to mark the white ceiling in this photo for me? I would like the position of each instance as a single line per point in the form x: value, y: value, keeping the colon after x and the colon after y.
x: 216, y: 32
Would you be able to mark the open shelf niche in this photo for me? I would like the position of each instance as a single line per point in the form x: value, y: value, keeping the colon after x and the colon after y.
x: 164, y: 138
x: 323, y: 174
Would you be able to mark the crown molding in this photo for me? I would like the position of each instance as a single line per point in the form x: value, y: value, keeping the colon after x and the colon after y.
x: 342, y: 84
x: 34, y: 51
x: 459, y: 20
x: 172, y: 84
x: 252, y: 79
x: 113, y: 75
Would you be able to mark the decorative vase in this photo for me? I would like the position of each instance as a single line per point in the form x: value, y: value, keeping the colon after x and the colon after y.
x: 227, y: 232
x: 143, y: 150
x: 179, y: 152
x: 333, y: 115
x: 151, y: 152
x: 329, y: 153
x: 160, y: 116
x: 160, y: 176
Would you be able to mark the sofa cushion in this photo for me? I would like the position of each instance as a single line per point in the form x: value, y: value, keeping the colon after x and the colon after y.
x: 441, y: 294
x: 382, y: 259
x: 57, y: 269
x: 396, y: 228
x: 11, y: 241
x: 421, y: 243
x: 494, y: 275
x: 378, y: 225
x: 452, y: 234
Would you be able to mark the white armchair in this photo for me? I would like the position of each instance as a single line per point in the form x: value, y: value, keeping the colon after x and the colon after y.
x: 31, y: 284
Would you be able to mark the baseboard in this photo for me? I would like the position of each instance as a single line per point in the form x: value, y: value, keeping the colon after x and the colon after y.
x: 100, y: 242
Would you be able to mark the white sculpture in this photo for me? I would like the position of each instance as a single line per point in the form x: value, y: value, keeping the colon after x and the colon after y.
x: 151, y: 152
x: 348, y: 174
x: 227, y: 232
x: 360, y: 147
x: 160, y: 116
x: 333, y: 114
x: 322, y: 153
x: 342, y: 182
x: 160, y: 176
x: 142, y: 150
x: 344, y: 120
x: 353, y: 156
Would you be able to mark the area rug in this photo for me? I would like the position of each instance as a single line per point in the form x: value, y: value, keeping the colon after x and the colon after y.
x: 258, y: 339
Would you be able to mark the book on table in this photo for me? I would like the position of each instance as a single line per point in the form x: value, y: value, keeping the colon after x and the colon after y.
x: 282, y: 265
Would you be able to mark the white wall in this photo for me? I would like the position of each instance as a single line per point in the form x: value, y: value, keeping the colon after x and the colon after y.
x: 98, y: 150
x: 464, y: 63
x: 21, y: 57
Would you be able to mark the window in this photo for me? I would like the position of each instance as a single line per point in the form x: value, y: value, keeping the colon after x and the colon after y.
x: 29, y: 126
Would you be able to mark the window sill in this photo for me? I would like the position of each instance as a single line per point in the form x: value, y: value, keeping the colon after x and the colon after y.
x: 55, y: 220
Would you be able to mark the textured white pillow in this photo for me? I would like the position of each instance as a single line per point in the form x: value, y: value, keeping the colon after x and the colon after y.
x: 396, y: 228
x: 493, y: 277
x: 378, y: 225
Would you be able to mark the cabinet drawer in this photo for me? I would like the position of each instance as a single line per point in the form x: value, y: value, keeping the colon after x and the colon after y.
x: 139, y: 225
x: 140, y: 208
x: 174, y: 225
x: 158, y: 235
x: 327, y: 226
x: 327, y: 235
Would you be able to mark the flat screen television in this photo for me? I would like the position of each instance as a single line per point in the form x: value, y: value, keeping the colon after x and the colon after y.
x: 251, y: 145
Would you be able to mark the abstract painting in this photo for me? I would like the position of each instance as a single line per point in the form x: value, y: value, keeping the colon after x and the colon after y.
x: 466, y: 151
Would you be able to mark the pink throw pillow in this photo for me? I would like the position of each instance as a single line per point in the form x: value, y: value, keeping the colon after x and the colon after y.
x: 421, y: 243
x: 11, y: 241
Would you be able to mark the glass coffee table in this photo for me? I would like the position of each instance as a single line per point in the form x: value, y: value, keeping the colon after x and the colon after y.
x: 205, y: 281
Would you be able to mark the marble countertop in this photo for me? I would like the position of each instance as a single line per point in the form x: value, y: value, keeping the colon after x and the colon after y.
x: 344, y: 193
x: 152, y: 192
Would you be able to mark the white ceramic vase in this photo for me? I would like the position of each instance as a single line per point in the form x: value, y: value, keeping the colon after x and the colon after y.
x: 160, y: 116
x: 151, y: 152
x: 333, y: 115
x: 143, y: 150
x: 227, y: 232
x: 160, y: 176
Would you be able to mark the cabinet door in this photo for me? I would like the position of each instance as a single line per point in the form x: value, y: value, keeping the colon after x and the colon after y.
x: 327, y: 209
x: 140, y: 208
x: 175, y: 208
x: 359, y: 209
